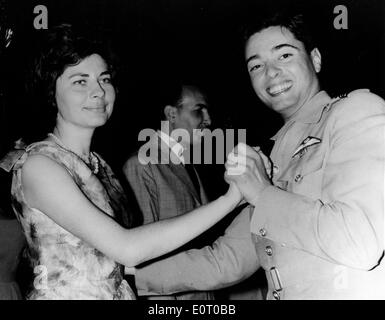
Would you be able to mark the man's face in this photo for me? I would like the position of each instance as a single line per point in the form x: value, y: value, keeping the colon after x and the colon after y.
x: 282, y: 73
x: 192, y: 114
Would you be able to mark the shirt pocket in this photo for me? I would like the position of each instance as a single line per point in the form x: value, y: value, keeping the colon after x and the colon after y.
x: 304, y: 175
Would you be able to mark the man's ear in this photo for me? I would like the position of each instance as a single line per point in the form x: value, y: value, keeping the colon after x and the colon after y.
x: 315, y: 56
x: 170, y: 113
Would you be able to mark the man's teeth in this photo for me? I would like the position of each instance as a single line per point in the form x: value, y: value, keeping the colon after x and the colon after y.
x: 279, y: 88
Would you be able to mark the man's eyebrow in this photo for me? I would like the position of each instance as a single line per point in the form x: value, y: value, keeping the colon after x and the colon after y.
x: 253, y: 57
x: 201, y: 105
x: 275, y: 48
x: 80, y: 74
x: 283, y: 45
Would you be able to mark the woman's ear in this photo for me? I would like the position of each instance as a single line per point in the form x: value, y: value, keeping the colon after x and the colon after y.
x: 170, y: 113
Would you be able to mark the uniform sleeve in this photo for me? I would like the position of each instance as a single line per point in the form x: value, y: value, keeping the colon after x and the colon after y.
x: 346, y: 225
x: 142, y: 183
x: 229, y: 260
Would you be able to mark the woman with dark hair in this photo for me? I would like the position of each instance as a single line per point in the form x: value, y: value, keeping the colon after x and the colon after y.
x: 67, y: 198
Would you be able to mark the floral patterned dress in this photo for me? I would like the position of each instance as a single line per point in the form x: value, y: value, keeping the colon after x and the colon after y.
x: 65, y: 266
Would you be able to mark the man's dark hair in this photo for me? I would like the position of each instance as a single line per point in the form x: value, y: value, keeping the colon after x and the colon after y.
x: 172, y: 94
x: 295, y: 22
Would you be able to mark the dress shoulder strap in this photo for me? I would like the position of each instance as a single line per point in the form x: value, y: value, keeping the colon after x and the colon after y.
x: 88, y: 183
x: 52, y: 151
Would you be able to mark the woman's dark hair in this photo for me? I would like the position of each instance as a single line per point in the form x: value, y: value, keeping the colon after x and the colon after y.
x: 62, y: 47
x: 295, y: 22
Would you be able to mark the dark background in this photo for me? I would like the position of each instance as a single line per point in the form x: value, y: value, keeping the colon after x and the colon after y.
x: 196, y: 40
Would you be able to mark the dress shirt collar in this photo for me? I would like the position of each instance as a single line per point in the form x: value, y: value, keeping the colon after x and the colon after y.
x: 174, y: 146
x: 310, y: 112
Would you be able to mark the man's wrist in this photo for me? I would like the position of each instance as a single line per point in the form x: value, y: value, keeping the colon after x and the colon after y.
x: 258, y: 195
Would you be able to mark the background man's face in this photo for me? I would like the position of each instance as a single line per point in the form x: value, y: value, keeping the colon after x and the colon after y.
x: 192, y: 114
x: 282, y: 73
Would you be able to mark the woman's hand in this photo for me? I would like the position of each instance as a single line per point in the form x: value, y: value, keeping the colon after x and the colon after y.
x: 233, y: 193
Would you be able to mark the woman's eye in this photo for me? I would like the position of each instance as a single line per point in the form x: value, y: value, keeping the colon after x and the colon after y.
x: 255, y: 68
x: 106, y: 80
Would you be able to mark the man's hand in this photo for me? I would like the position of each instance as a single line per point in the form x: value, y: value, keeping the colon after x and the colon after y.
x: 246, y: 167
x: 266, y: 161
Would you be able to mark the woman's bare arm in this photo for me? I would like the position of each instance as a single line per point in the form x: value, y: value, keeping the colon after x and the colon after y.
x: 49, y: 188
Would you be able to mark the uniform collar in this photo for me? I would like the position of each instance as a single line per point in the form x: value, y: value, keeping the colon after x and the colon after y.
x: 310, y: 112
x: 174, y: 146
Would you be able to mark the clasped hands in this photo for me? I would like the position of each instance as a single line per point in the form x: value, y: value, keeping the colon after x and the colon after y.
x: 248, y: 172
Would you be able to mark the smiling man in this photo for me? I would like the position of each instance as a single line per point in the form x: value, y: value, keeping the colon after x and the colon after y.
x: 282, y: 72
x: 320, y: 219
x: 316, y: 223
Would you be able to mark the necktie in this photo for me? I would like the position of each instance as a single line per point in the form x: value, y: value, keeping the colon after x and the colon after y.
x: 193, y: 176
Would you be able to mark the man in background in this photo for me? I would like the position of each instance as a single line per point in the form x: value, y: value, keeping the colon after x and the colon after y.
x: 166, y: 184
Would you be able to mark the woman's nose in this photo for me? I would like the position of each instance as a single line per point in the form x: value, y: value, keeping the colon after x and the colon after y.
x: 97, y: 90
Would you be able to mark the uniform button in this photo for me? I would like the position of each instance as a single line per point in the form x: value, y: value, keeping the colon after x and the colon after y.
x: 269, y: 251
x: 298, y: 178
x: 263, y: 232
x: 276, y: 295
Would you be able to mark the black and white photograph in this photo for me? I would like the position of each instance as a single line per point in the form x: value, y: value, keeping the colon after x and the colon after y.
x: 192, y: 150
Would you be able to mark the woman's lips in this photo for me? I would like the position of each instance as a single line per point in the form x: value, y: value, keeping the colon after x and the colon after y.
x: 96, y: 109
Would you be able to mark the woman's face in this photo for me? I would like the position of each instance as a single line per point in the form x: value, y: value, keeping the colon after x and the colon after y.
x: 84, y: 93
